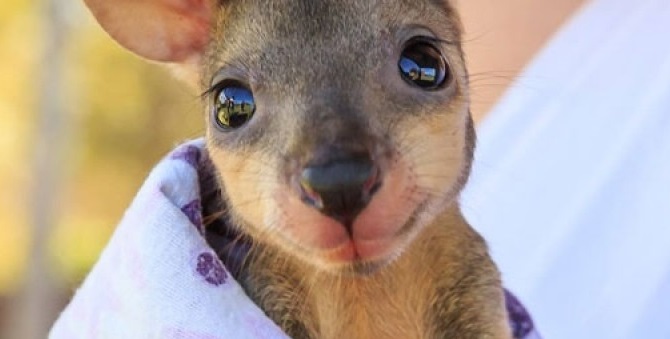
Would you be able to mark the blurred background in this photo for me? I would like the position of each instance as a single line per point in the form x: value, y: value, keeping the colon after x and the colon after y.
x: 83, y: 122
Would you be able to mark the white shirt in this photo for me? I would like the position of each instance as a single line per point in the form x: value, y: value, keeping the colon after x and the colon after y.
x: 571, y: 184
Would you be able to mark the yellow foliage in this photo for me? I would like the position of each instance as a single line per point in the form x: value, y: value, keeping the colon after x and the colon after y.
x: 76, y: 244
x: 123, y: 115
x: 17, y: 52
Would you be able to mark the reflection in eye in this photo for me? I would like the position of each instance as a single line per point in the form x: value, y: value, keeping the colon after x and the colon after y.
x: 234, y: 106
x: 423, y: 65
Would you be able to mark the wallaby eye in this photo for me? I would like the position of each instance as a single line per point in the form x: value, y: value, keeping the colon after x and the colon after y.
x: 422, y: 64
x: 233, y: 106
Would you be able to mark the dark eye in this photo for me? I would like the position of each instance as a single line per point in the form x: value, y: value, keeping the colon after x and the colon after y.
x: 422, y: 64
x: 233, y: 106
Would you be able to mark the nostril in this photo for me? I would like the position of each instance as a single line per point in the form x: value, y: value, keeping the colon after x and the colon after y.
x: 309, y: 195
x: 340, y: 189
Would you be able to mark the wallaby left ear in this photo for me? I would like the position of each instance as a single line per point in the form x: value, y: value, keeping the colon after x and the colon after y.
x: 161, y: 30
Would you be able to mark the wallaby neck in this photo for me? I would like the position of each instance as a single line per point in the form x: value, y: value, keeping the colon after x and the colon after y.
x: 403, y: 299
x: 409, y: 298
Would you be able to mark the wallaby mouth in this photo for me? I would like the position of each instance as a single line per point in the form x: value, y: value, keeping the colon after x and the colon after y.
x: 348, y: 207
x: 339, y: 184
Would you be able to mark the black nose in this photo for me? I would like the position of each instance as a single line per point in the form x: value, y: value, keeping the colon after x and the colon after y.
x: 340, y: 189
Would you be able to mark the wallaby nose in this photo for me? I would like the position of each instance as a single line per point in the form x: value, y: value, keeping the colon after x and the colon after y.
x: 340, y: 189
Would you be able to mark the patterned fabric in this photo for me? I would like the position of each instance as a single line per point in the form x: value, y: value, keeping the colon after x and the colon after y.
x: 158, y: 278
x: 519, y: 319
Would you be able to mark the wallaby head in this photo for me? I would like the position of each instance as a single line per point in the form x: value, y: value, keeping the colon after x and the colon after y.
x: 339, y: 128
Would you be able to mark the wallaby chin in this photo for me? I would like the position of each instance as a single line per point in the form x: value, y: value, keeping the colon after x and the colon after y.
x: 339, y: 137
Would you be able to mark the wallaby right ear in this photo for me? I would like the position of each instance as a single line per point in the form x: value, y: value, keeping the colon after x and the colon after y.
x: 160, y: 30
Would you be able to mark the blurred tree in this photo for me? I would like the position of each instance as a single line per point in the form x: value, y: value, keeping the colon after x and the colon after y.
x: 17, y: 52
x: 94, y: 120
x: 128, y: 114
x: 35, y: 308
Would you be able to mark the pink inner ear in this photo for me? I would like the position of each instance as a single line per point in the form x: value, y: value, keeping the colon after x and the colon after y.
x: 159, y: 30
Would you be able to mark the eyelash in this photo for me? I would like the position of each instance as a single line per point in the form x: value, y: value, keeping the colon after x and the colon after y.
x: 211, y: 90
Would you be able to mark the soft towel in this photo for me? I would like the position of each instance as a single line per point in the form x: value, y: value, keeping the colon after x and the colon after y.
x: 158, y: 278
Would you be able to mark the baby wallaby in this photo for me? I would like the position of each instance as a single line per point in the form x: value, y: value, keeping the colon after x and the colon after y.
x: 340, y: 137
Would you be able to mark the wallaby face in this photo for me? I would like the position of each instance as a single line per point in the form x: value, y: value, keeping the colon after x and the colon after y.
x: 339, y: 128
x: 341, y: 156
x: 341, y: 137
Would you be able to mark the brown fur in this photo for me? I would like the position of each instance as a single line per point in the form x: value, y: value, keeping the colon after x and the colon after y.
x: 324, y: 73
x: 434, y: 290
